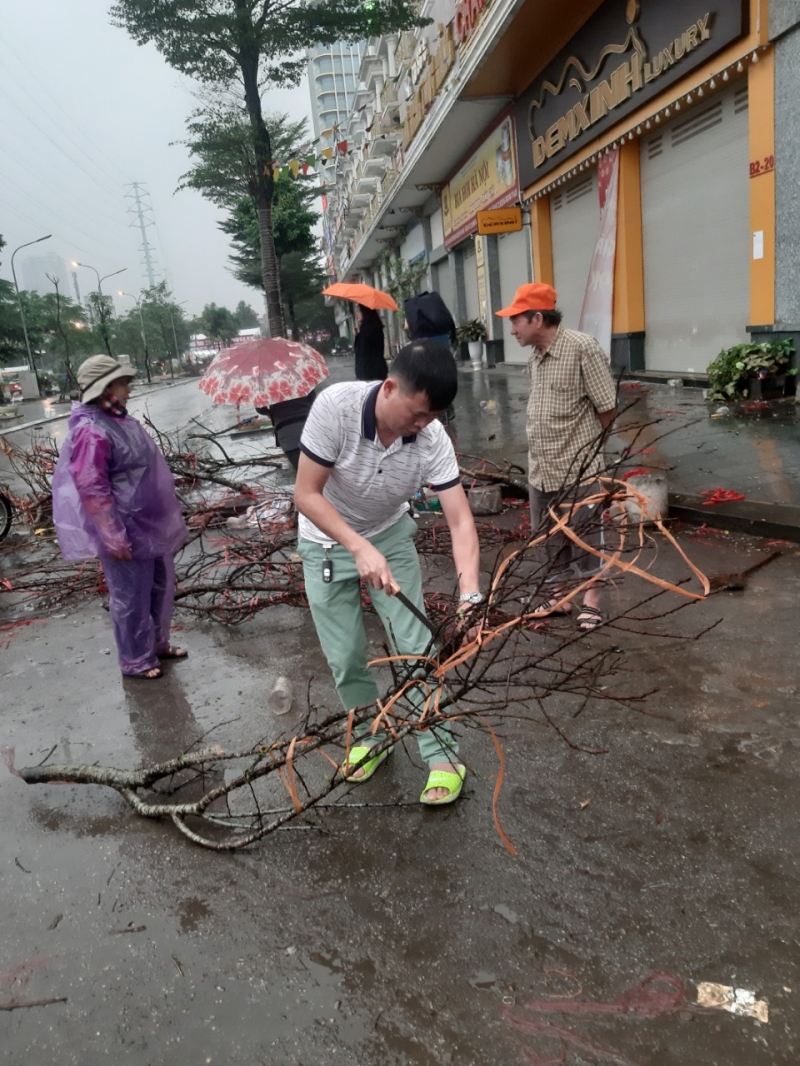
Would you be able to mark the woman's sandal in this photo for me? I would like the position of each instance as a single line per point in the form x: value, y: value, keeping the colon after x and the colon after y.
x: 173, y: 653
x: 358, y: 759
x: 554, y: 606
x: 452, y: 781
x: 153, y: 674
x: 589, y: 618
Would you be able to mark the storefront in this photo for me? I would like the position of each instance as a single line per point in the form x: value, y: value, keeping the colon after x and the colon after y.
x: 574, y: 224
x: 662, y: 92
x: 696, y: 262
x: 513, y: 257
x: 485, y: 181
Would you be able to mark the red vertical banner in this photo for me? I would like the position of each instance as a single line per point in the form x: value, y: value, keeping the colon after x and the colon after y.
x: 598, y: 300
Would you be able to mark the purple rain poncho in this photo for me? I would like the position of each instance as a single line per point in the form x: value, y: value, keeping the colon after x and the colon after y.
x: 113, y: 490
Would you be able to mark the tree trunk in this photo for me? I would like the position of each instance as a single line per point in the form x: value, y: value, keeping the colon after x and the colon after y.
x: 270, y: 274
x: 262, y: 182
x: 292, y: 316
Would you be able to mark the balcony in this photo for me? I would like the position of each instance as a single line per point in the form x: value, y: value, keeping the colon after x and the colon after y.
x: 371, y: 67
x: 384, y: 143
x: 364, y: 182
x: 374, y: 166
x: 388, y: 180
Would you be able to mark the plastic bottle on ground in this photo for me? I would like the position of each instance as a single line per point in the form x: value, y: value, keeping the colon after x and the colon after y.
x: 280, y: 699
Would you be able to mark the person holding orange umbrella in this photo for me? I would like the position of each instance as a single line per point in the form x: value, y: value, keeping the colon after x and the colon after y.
x: 369, y: 346
x: 370, y: 341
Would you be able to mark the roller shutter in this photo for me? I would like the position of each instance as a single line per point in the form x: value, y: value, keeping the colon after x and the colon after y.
x: 696, y: 230
x: 443, y: 283
x: 471, y: 281
x: 575, y: 224
x: 512, y: 252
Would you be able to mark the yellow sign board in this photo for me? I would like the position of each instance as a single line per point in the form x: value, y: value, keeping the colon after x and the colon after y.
x: 502, y: 220
x: 488, y: 179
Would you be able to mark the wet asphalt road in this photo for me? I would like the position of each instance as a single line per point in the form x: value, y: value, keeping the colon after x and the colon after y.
x: 398, y: 935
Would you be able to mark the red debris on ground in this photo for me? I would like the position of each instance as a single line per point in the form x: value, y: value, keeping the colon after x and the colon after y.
x: 707, y: 531
x: 721, y: 496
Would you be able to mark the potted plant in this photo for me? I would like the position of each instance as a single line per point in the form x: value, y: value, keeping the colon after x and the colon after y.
x: 473, y: 334
x: 754, y: 371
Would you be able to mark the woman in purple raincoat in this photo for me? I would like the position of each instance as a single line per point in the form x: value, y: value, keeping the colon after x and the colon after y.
x: 114, y: 499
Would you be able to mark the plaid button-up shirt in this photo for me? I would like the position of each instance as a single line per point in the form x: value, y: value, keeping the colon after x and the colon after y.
x: 570, y: 382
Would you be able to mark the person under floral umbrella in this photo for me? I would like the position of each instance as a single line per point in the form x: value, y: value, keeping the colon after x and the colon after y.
x: 275, y: 375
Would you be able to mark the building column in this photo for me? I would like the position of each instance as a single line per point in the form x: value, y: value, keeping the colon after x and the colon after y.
x: 460, y: 292
x: 762, y: 116
x: 427, y: 236
x: 494, y: 345
x: 628, y: 324
x: 542, y: 240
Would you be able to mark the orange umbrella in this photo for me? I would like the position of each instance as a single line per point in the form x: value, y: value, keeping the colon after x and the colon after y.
x: 362, y: 294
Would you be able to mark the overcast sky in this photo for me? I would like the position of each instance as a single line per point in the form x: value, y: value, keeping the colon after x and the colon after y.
x: 84, y: 111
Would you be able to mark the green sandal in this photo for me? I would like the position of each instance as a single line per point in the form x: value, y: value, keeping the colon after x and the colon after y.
x: 453, y: 782
x: 359, y: 759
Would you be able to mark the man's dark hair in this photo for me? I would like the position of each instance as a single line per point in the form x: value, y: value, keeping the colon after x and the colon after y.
x: 549, y: 318
x: 427, y: 366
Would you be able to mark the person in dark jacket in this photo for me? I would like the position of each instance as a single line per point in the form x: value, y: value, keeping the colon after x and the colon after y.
x: 428, y: 318
x: 369, y: 345
x: 288, y: 418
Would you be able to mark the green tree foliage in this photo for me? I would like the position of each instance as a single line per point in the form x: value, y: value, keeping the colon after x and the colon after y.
x: 58, y: 330
x: 12, y: 340
x: 155, y: 337
x: 245, y: 45
x: 403, y: 280
x: 218, y: 323
x: 301, y: 273
x: 245, y: 316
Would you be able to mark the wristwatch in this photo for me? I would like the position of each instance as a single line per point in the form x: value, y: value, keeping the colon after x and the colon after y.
x: 471, y: 597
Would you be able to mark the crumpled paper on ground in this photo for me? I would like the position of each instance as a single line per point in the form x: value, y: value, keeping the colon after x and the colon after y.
x: 736, y: 1000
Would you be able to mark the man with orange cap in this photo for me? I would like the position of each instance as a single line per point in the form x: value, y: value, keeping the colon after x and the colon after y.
x: 571, y: 407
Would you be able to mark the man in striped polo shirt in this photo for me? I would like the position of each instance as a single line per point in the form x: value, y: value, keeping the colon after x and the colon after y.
x: 367, y: 447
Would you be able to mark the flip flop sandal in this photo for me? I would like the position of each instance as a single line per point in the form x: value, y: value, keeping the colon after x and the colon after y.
x: 548, y: 609
x: 147, y: 675
x: 453, y: 782
x: 359, y: 759
x: 173, y: 653
x: 589, y: 618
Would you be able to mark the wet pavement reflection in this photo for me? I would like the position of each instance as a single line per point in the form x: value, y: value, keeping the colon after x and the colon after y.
x: 386, y: 933
x: 753, y: 449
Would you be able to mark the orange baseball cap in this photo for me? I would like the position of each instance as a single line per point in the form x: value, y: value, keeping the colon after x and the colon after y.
x: 533, y: 297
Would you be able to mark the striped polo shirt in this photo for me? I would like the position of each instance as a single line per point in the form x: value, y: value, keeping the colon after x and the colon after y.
x: 370, y: 485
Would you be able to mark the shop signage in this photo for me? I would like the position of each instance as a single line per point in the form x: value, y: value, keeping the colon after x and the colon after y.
x: 487, y: 180
x: 467, y: 14
x: 627, y: 52
x: 501, y: 220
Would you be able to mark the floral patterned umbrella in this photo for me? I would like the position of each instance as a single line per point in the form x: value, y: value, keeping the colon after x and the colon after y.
x: 263, y: 372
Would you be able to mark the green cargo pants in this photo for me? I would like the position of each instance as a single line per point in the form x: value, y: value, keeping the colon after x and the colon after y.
x: 336, y: 610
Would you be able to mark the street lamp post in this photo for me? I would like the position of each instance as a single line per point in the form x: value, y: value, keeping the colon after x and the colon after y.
x: 100, y: 305
x: 31, y: 361
x: 138, y: 301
